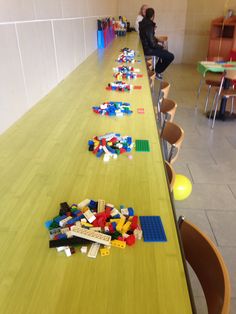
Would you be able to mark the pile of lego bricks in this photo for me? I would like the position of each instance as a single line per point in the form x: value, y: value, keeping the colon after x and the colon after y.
x: 125, y: 76
x: 113, y: 108
x: 126, y: 69
x: 127, y: 56
x: 110, y: 145
x: 93, y: 223
x: 119, y: 86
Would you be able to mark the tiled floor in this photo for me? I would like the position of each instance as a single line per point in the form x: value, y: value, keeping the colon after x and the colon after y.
x: 208, y: 158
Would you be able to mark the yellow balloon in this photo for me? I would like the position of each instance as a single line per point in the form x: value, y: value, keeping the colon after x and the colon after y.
x: 182, y: 187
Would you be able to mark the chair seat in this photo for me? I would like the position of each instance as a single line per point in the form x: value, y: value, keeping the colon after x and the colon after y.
x: 213, y: 83
x: 228, y: 93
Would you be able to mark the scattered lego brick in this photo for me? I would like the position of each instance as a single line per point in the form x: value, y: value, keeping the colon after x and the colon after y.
x: 113, y: 108
x: 121, y: 86
x: 110, y: 145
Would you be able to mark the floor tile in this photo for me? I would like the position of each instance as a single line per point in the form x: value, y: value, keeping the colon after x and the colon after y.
x: 229, y: 255
x: 233, y: 306
x: 195, y: 155
x: 209, y: 196
x: 212, y: 173
x: 223, y: 225
x: 233, y: 189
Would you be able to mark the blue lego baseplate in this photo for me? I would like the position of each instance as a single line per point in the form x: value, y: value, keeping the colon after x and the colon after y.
x: 153, y: 230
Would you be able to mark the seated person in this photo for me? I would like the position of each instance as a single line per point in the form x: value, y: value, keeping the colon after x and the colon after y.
x: 140, y: 16
x: 151, y: 46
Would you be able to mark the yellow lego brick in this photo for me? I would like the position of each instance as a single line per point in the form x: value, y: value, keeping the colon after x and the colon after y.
x: 115, y: 220
x: 118, y: 243
x: 86, y: 224
x: 126, y: 227
x: 105, y: 252
x: 120, y: 224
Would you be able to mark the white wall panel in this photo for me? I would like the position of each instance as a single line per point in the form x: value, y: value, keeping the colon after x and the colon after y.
x: 16, y: 10
x: 90, y: 26
x: 70, y: 46
x: 47, y: 9
x: 13, y: 101
x: 36, y: 44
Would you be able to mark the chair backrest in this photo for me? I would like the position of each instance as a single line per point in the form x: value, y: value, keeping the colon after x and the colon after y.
x: 168, y: 108
x: 165, y: 88
x: 230, y: 74
x: 170, y: 174
x: 209, y: 266
x: 232, y: 55
x: 174, y: 135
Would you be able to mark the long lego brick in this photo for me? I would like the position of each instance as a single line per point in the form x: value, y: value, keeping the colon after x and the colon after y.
x: 93, y: 251
x: 67, y: 242
x: 91, y: 235
x: 101, y: 205
x: 83, y: 204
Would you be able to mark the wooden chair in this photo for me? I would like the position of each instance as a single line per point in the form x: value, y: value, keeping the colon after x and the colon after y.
x: 226, y: 93
x: 167, y: 109
x: 170, y: 174
x: 173, y: 135
x: 209, y: 266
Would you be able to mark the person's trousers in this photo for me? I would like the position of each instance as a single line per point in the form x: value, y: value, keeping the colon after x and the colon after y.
x: 165, y: 58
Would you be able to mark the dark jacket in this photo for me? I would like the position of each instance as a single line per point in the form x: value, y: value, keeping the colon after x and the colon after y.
x: 147, y: 36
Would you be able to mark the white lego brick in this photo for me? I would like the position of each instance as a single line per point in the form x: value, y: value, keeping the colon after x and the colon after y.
x: 138, y: 234
x: 84, y: 249
x: 106, y: 157
x: 89, y: 216
x: 63, y: 222
x: 93, y: 251
x: 98, y: 229
x: 110, y: 205
x: 68, y: 251
x: 69, y: 234
x: 101, y: 206
x: 91, y: 235
x: 124, y: 211
x: 83, y: 204
x: 65, y: 230
x: 61, y: 248
x: 114, y: 212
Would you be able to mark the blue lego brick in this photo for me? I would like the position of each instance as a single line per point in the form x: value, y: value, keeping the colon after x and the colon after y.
x: 131, y: 211
x: 59, y: 218
x: 48, y: 223
x: 153, y: 230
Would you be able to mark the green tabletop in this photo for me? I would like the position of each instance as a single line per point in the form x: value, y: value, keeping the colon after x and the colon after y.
x: 211, y: 66
x: 44, y: 160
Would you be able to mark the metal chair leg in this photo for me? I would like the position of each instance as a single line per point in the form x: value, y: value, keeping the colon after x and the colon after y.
x: 216, y: 107
x: 212, y: 106
x: 207, y: 98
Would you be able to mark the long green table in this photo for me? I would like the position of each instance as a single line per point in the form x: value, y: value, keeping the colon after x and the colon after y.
x: 44, y: 161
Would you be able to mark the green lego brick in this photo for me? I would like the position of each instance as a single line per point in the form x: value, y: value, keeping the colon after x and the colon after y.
x: 142, y: 146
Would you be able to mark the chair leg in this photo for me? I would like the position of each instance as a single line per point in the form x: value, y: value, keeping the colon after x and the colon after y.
x: 216, y: 107
x: 207, y: 98
x: 198, y: 92
x: 232, y: 106
x: 213, y: 104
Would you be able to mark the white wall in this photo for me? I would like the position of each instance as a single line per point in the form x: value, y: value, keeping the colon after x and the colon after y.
x: 42, y: 41
x: 170, y: 19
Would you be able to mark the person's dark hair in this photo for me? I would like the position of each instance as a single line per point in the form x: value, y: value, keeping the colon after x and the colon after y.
x: 150, y: 13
